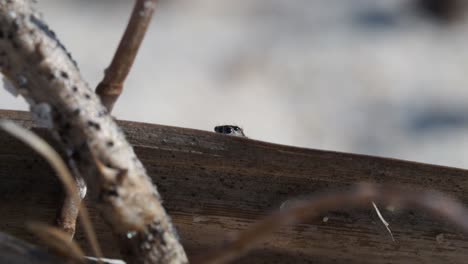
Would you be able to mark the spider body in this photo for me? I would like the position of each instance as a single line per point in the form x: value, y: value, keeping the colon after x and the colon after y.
x: 230, y: 130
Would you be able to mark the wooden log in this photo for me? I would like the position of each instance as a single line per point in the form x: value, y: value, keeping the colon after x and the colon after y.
x: 214, y: 185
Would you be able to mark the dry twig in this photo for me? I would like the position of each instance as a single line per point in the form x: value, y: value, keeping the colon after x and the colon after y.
x: 57, y: 241
x: 360, y: 196
x: 33, y: 59
x: 110, y: 88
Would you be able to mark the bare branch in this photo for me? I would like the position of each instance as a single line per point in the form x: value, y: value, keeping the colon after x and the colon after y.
x: 434, y: 202
x: 110, y: 88
x: 41, y: 69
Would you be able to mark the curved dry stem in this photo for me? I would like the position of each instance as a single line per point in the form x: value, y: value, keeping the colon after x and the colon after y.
x: 360, y: 196
x: 64, y: 174
x: 57, y: 239
x: 110, y: 88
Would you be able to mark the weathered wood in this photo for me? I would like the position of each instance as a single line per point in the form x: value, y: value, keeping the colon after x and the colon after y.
x: 214, y: 185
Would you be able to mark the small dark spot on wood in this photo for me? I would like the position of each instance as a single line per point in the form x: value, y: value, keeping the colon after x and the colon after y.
x: 193, y: 194
x: 64, y: 75
x: 280, y: 192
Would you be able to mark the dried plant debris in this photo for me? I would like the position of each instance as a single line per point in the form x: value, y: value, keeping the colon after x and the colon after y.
x: 382, y: 219
x: 57, y: 241
x: 43, y: 73
x: 435, y: 203
x: 54, y: 159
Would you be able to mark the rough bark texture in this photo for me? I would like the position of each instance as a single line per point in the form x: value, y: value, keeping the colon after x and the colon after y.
x: 43, y: 72
x: 215, y: 185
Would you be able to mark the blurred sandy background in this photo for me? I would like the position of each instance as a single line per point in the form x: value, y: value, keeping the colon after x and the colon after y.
x: 367, y: 76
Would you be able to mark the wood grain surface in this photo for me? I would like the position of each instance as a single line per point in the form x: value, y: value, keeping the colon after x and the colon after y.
x: 214, y: 185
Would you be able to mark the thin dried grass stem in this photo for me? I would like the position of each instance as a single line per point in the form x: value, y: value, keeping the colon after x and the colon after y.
x: 434, y: 202
x: 63, y: 173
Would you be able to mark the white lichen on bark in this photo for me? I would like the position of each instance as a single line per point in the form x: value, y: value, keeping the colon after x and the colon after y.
x: 43, y: 72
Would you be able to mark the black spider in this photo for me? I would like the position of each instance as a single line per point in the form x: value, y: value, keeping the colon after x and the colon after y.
x: 230, y: 130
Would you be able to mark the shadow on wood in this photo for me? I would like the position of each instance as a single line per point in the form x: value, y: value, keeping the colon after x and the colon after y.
x: 15, y: 251
x: 214, y: 185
